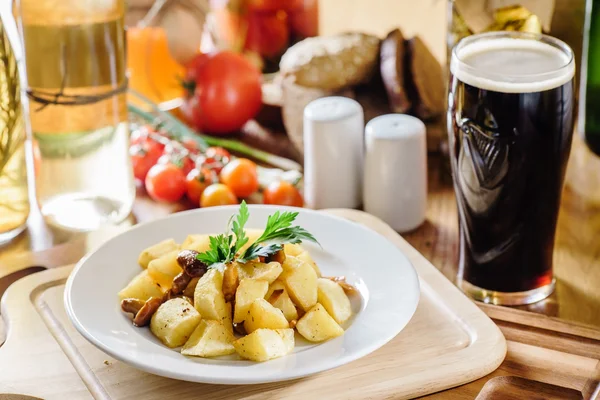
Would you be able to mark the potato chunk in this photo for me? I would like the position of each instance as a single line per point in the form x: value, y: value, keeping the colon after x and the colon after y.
x: 174, y: 322
x: 248, y: 291
x: 165, y: 268
x: 257, y: 270
x: 208, y: 296
x: 141, y: 287
x: 292, y: 249
x: 262, y: 314
x: 291, y: 263
x: 281, y: 300
x: 275, y: 286
x: 227, y: 319
x: 305, y: 256
x: 301, y: 283
x: 265, y: 344
x: 317, y: 325
x: 209, y: 339
x: 156, y: 251
x: 197, y: 242
x: 332, y: 297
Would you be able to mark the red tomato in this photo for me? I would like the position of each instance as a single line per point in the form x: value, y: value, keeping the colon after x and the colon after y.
x: 274, y: 5
x: 144, y: 155
x: 197, y: 180
x: 217, y: 154
x: 304, y: 21
x: 227, y: 93
x: 138, y: 135
x: 215, y: 158
x: 268, y: 34
x: 190, y: 145
x: 165, y: 182
x: 241, y: 177
x: 191, y: 73
x: 184, y: 163
x: 283, y: 194
x: 217, y: 194
x: 265, y: 5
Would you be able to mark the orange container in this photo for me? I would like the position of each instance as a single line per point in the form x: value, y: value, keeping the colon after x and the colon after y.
x: 152, y: 70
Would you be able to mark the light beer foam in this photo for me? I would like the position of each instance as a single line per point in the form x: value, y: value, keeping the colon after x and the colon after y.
x: 511, y: 65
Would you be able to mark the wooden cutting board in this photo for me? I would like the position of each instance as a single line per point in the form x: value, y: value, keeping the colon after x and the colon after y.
x: 448, y: 342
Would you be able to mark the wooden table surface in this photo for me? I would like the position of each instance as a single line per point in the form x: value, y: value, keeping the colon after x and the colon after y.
x: 577, y: 250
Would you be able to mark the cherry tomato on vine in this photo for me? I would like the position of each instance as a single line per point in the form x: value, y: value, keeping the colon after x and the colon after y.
x: 241, y: 177
x: 283, y: 193
x: 216, y: 158
x: 165, y: 182
x: 217, y: 154
x: 217, y: 194
x: 185, y: 163
x: 190, y: 145
x: 144, y: 154
x: 197, y: 181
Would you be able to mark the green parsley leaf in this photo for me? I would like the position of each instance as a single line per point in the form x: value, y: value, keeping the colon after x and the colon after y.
x: 238, y: 228
x: 277, y: 233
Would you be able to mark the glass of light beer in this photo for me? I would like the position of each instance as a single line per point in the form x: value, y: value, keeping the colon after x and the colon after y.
x: 510, y: 124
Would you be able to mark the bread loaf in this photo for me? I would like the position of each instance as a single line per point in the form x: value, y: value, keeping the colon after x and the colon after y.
x: 393, y: 71
x: 332, y: 62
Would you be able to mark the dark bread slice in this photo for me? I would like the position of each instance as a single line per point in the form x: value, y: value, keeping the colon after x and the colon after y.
x: 392, y: 67
x: 427, y: 80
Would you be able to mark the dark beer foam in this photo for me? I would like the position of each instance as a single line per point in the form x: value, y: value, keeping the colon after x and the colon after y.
x: 511, y: 65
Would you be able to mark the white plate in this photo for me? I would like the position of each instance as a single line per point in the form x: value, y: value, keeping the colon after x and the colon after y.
x: 387, y: 282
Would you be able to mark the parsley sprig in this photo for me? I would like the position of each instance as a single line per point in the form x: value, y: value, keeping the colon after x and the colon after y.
x: 224, y: 248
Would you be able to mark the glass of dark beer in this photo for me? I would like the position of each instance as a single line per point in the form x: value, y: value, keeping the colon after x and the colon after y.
x: 510, y: 124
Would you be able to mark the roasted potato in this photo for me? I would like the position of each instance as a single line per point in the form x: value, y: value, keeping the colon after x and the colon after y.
x: 197, y: 242
x: 300, y: 282
x: 332, y: 297
x: 281, y: 300
x: 231, y: 280
x: 209, y: 339
x: 292, y: 249
x: 156, y: 251
x: 227, y: 319
x: 265, y: 344
x: 317, y: 325
x: 248, y: 291
x: 141, y: 287
x: 305, y: 256
x: 262, y: 314
x: 291, y: 263
x: 208, y: 296
x: 174, y: 322
x: 277, y: 285
x: 257, y: 270
x: 165, y: 268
